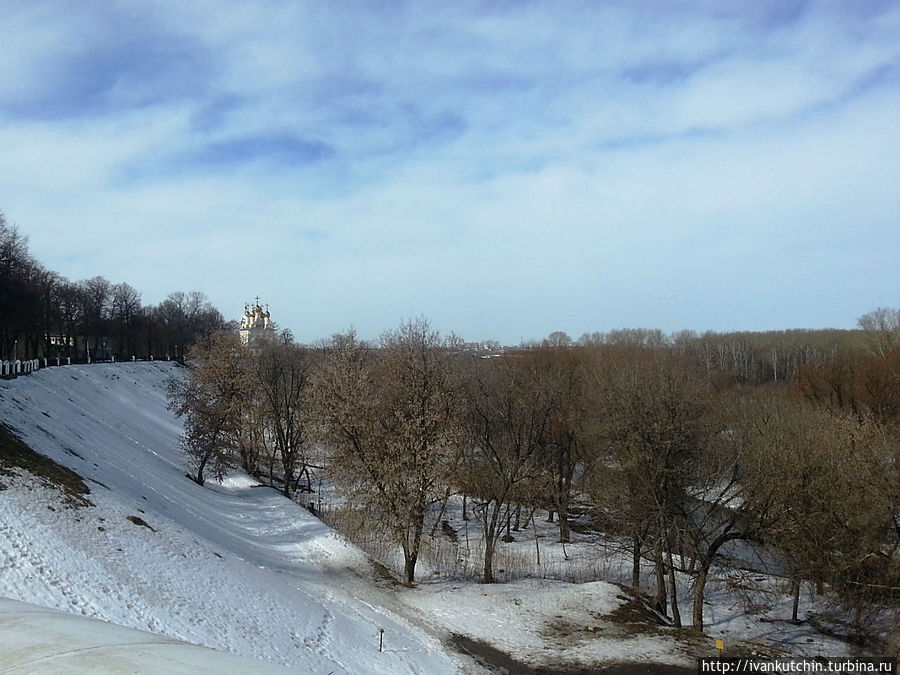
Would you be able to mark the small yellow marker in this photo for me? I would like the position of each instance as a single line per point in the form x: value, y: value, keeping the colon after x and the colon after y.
x: 720, y: 645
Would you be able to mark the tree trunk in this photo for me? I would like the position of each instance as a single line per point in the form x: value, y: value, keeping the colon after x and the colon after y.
x: 795, y: 607
x: 563, y: 521
x: 287, y: 463
x: 661, y: 604
x: 490, y: 518
x: 508, y: 536
x: 198, y: 479
x: 409, y: 567
x: 636, y: 561
x: 699, y: 590
x: 562, y: 497
x: 676, y: 614
x: 488, y: 560
x: 411, y: 551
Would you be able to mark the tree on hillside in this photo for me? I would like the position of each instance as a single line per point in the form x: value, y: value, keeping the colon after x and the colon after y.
x: 213, y: 400
x: 392, y: 419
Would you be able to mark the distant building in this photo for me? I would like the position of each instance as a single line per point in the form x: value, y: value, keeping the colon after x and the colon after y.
x: 256, y: 326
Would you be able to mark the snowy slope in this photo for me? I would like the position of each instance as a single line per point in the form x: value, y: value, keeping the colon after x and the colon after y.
x: 233, y: 567
x: 38, y: 640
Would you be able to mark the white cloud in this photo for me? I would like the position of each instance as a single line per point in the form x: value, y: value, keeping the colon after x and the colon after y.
x: 506, y: 172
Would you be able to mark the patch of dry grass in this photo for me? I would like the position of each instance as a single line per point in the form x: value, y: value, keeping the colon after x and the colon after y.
x: 15, y: 453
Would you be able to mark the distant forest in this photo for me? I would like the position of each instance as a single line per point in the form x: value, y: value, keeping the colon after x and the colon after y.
x: 45, y: 315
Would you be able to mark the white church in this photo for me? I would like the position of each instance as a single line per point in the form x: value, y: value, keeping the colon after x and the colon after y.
x: 256, y: 326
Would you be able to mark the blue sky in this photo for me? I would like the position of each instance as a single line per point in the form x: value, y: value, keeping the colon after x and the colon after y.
x: 506, y: 169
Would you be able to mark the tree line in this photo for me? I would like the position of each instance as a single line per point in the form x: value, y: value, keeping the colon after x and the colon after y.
x: 677, y: 459
x: 44, y: 315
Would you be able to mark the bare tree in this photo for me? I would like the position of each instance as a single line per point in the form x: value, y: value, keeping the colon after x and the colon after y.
x: 184, y: 318
x: 557, y: 338
x: 125, y: 310
x: 392, y: 418
x: 833, y: 484
x: 882, y: 330
x: 720, y: 504
x: 47, y: 285
x: 70, y: 309
x: 95, y: 297
x: 282, y: 376
x: 20, y: 308
x: 558, y: 371
x: 213, y: 399
x: 651, y: 419
x: 41, y: 313
x: 509, y: 417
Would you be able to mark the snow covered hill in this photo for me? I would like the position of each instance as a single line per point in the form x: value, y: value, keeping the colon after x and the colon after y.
x: 234, y: 566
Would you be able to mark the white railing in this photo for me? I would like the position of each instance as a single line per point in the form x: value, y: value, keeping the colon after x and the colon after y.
x: 11, y: 369
x: 18, y: 367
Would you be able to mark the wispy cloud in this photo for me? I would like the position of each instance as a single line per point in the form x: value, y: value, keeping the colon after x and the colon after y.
x: 505, y: 168
x: 283, y: 149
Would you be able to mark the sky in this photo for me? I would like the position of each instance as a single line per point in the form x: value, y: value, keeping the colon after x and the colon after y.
x: 505, y: 169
